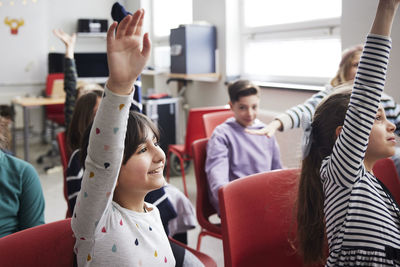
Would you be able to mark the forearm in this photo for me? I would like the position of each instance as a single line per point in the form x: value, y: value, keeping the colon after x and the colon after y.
x: 384, y: 17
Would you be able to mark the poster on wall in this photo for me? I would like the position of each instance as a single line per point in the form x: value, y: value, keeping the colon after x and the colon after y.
x: 23, y: 41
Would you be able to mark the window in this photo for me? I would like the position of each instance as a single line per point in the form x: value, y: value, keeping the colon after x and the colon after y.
x: 167, y: 15
x: 290, y: 41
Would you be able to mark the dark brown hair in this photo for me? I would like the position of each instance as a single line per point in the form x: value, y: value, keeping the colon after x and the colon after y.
x: 83, y: 115
x: 242, y: 88
x: 311, y: 234
x: 136, y: 133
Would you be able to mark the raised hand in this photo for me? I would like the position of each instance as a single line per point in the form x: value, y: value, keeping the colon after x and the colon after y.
x: 68, y: 40
x: 268, y: 130
x: 127, y: 52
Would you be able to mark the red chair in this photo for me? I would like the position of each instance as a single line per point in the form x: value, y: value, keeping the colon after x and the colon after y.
x: 204, y: 208
x: 258, y: 220
x: 386, y: 172
x: 46, y: 245
x: 64, y: 156
x: 212, y: 120
x: 194, y: 131
x: 54, y: 113
x: 204, y: 258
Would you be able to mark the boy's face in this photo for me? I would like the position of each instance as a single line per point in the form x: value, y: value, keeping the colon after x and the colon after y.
x: 245, y: 109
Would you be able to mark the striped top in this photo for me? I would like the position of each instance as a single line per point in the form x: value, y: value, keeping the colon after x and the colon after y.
x: 362, y: 220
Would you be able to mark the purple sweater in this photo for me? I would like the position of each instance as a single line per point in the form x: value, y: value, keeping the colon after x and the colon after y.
x: 232, y: 153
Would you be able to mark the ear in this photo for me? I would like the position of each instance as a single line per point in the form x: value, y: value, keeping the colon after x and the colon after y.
x: 338, y: 130
x: 230, y: 105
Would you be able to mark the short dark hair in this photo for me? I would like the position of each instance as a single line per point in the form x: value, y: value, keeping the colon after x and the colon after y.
x: 242, y: 88
x: 82, y: 117
x: 136, y: 134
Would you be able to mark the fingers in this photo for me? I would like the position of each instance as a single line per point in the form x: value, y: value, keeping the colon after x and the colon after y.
x: 110, y: 33
x: 122, y: 27
x: 146, y: 45
x: 132, y: 27
x: 139, y: 26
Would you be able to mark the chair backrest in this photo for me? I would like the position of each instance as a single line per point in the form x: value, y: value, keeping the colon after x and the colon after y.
x: 204, y: 208
x: 46, y: 245
x: 54, y: 112
x: 64, y: 155
x: 195, y: 127
x: 212, y: 120
x: 62, y: 145
x: 385, y: 171
x: 257, y: 219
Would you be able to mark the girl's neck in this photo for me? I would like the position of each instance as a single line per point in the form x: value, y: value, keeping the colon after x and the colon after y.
x: 134, y: 203
x: 369, y: 164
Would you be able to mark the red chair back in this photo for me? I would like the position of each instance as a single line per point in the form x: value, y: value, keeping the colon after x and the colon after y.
x: 257, y: 219
x: 212, y: 120
x: 204, y: 208
x: 195, y: 126
x: 386, y: 172
x: 62, y: 145
x: 54, y: 112
x: 64, y: 156
x: 46, y: 245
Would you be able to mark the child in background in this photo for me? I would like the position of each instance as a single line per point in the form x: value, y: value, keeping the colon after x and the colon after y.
x: 21, y: 196
x: 231, y: 152
x: 339, y: 197
x: 112, y: 223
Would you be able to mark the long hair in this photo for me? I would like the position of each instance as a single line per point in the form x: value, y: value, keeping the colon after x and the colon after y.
x: 83, y: 115
x: 345, y: 65
x: 311, y: 234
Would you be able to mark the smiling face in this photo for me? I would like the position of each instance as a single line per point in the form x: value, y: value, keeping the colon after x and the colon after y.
x: 245, y: 109
x: 143, y: 172
x: 382, y: 139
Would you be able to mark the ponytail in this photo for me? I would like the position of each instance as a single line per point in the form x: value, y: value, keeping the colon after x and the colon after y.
x: 311, y: 233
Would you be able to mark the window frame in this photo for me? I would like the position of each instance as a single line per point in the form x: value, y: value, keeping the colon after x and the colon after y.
x: 320, y: 28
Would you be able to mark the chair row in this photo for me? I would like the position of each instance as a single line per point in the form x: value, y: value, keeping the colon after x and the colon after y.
x: 258, y: 226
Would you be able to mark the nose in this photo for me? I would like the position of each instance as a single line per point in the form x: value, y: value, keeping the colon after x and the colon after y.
x: 158, y: 155
x: 391, y: 127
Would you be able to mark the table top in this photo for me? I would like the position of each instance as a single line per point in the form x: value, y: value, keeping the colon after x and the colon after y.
x: 37, y: 101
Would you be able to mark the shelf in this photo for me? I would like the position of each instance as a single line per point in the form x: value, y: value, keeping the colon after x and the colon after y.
x: 201, y: 77
x: 92, y: 34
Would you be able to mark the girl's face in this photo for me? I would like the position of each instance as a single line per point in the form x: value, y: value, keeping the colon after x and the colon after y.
x: 245, y: 109
x: 382, y: 139
x: 143, y: 172
x: 351, y: 73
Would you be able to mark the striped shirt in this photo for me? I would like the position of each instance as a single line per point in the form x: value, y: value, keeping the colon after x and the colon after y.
x: 362, y: 220
x: 292, y: 118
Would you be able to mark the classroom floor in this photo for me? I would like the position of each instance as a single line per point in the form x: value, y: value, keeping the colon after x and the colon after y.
x: 52, y: 183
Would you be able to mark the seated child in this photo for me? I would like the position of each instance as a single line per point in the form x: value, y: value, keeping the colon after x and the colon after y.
x: 112, y: 223
x: 21, y: 201
x: 232, y: 153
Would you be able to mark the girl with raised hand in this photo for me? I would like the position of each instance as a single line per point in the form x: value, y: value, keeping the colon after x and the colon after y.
x: 339, y: 197
x: 112, y: 224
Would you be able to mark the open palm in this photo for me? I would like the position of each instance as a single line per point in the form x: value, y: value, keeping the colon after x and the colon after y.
x: 127, y: 51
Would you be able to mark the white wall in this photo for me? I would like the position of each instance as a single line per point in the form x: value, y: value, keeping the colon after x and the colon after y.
x: 23, y: 67
x: 357, y: 19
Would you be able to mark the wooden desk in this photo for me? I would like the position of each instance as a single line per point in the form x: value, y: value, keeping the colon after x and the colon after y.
x: 26, y: 103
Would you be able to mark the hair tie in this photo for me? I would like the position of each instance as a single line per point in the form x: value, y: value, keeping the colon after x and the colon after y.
x: 307, y: 135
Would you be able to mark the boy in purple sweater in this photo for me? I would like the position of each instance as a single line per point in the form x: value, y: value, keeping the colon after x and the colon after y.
x: 231, y: 152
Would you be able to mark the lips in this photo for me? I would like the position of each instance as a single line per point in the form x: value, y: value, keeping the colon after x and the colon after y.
x: 391, y: 139
x: 156, y: 170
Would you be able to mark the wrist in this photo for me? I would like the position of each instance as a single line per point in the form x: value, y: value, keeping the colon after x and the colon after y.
x: 124, y: 88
